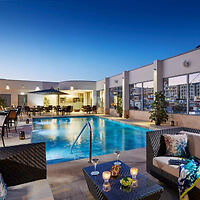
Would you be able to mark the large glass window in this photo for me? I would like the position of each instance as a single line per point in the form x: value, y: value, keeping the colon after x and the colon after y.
x: 148, y: 94
x: 194, y: 83
x: 100, y: 98
x: 135, y: 96
x: 175, y: 90
x: 115, y: 96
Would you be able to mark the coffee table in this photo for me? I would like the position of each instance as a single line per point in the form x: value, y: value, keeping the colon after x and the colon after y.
x: 146, y: 189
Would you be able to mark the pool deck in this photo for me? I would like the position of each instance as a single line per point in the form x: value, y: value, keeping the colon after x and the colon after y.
x: 66, y: 179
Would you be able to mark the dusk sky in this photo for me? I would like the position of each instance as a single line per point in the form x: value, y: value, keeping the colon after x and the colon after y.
x: 89, y: 40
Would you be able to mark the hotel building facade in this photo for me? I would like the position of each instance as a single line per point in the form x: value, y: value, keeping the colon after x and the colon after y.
x: 178, y: 77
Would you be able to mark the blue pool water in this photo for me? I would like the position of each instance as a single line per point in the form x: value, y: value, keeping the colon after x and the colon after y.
x: 108, y: 136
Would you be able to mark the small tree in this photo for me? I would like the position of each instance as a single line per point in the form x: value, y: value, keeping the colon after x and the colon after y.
x: 118, y: 106
x: 158, y: 112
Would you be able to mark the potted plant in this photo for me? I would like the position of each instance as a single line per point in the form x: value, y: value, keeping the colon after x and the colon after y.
x: 118, y: 106
x: 158, y: 112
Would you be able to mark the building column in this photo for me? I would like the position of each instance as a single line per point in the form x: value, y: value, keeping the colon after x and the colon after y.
x: 106, y: 96
x: 94, y: 97
x: 188, y: 95
x: 158, y: 76
x: 125, y: 94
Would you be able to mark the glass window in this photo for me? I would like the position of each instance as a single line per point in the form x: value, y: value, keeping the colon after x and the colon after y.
x: 115, y: 96
x: 194, y: 86
x: 135, y: 96
x: 148, y: 94
x: 175, y: 90
x: 100, y: 98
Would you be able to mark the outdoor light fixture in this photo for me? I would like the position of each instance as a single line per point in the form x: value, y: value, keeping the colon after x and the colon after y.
x: 116, y: 81
x: 71, y: 88
x: 37, y: 88
x: 22, y: 93
x: 186, y: 63
x: 7, y: 87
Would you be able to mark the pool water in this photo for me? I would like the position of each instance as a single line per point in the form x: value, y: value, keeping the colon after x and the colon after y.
x: 108, y: 136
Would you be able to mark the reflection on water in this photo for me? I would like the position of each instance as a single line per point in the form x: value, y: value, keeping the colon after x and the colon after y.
x: 108, y: 136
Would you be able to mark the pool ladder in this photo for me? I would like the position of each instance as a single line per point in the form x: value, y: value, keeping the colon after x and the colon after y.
x: 90, y: 129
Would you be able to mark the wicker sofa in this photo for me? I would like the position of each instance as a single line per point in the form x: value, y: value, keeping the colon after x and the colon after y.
x: 23, y: 168
x: 157, y: 162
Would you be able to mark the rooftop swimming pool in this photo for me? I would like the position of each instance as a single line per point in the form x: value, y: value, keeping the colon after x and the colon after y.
x: 108, y: 136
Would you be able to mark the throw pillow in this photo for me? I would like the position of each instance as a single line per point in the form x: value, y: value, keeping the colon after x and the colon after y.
x: 3, y: 188
x: 176, y: 145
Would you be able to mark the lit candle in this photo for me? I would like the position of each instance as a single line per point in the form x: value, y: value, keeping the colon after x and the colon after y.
x: 134, y: 172
x: 106, y: 176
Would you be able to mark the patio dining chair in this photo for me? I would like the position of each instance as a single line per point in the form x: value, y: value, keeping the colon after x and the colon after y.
x: 2, y: 127
x: 12, y: 120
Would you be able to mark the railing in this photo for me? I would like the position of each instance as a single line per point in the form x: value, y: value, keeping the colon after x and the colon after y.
x: 90, y: 128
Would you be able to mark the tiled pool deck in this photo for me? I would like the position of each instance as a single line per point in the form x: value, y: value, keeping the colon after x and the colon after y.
x: 66, y: 179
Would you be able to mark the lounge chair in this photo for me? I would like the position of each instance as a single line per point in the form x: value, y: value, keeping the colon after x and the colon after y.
x: 24, y: 171
x: 157, y: 163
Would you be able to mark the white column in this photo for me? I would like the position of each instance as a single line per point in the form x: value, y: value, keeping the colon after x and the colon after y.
x: 106, y: 96
x: 125, y: 93
x: 158, y: 76
x: 188, y: 94
x: 94, y: 97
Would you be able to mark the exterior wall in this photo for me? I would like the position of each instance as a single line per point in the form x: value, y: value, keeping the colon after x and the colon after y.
x: 139, y: 115
x: 190, y: 121
x: 115, y: 81
x: 113, y: 113
x: 141, y: 74
x: 18, y: 87
x: 77, y: 85
x: 100, y: 85
x: 174, y: 66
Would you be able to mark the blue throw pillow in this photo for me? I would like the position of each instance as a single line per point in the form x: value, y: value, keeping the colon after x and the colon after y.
x: 3, y: 188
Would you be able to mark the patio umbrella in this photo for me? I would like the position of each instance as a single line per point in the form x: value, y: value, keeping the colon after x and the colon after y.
x: 50, y: 91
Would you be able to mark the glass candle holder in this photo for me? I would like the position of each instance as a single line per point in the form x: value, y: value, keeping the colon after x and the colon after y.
x: 135, y: 183
x: 106, y: 176
x: 134, y: 172
x: 106, y: 187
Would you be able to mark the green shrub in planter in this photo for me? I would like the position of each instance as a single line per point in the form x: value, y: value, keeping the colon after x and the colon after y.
x: 158, y: 112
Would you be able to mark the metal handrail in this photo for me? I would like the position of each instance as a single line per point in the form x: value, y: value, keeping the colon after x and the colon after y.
x: 90, y: 128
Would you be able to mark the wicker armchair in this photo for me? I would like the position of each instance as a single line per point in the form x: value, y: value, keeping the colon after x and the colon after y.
x: 155, y: 146
x: 23, y: 163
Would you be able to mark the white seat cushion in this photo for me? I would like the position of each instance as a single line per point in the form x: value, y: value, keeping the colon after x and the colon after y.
x: 37, y: 190
x: 161, y: 162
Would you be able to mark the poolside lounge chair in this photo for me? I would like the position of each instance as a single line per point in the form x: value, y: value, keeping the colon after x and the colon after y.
x: 2, y: 127
x: 157, y: 163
